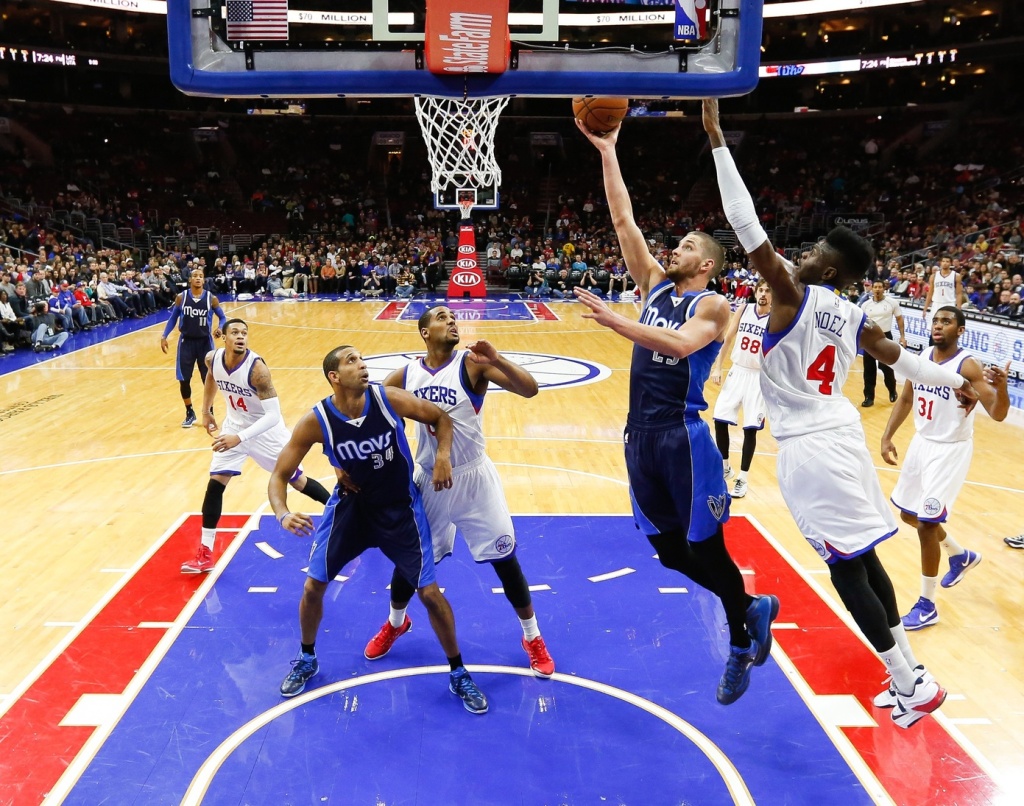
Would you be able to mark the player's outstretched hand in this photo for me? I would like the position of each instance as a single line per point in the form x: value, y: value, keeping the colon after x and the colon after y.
x: 298, y: 524
x: 482, y: 352
x: 442, y: 479
x: 712, y: 122
x: 889, y: 451
x: 996, y: 376
x: 967, y: 395
x: 604, y: 142
x: 599, y: 311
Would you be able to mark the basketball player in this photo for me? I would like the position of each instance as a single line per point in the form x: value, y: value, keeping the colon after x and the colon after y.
x: 191, y: 313
x: 825, y: 471
x: 938, y: 457
x: 742, y: 387
x: 883, y: 310
x: 456, y: 381
x: 680, y: 501
x: 252, y: 428
x: 361, y: 429
x: 944, y: 288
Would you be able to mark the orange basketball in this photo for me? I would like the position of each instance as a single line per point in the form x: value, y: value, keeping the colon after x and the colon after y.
x: 600, y: 115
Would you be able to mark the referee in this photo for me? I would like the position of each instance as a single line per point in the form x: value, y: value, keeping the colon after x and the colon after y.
x: 881, y: 310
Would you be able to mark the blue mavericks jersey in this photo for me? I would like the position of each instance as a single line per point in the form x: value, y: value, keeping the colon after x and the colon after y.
x: 194, y: 321
x: 663, y: 388
x: 371, y: 448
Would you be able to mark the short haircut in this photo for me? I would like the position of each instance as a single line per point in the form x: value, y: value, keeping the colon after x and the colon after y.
x: 855, y: 254
x: 333, y: 359
x: 235, y: 321
x: 711, y: 248
x: 424, y: 320
x: 762, y: 282
x: 961, y: 320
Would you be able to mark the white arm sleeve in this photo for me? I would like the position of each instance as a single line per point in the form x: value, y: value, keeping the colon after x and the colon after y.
x: 271, y: 417
x: 915, y: 368
x: 739, y: 207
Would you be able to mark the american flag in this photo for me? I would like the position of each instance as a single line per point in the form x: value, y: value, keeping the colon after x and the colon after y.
x: 257, y: 19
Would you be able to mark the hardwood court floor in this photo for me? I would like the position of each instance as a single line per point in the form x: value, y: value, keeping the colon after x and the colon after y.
x: 96, y: 468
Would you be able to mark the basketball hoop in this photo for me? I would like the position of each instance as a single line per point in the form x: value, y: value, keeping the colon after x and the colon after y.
x: 459, y: 134
x: 466, y: 205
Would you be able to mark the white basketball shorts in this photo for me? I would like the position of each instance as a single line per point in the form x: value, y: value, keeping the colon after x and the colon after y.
x: 932, y: 475
x: 830, y: 486
x: 741, y: 390
x: 263, y: 450
x: 475, y: 505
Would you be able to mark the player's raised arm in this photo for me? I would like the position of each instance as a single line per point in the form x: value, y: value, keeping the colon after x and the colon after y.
x: 306, y: 434
x: 411, y: 407
x: 642, y: 267
x: 739, y: 209
x: 496, y: 368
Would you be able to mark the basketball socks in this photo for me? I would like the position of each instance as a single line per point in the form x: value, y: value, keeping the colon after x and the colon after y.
x: 209, y: 537
x: 397, y: 617
x: 900, y: 637
x: 742, y: 476
x: 530, y: 628
x: 928, y: 587
x: 455, y: 662
x: 951, y: 547
x: 309, y: 649
x: 900, y: 670
x: 189, y: 410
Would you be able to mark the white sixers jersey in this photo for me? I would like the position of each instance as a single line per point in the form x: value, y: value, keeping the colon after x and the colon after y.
x: 804, y: 367
x: 937, y: 413
x: 943, y: 289
x: 244, y: 405
x: 746, y: 350
x: 447, y: 388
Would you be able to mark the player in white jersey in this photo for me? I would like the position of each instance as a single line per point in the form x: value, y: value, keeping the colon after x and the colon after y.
x: 825, y: 471
x: 742, y: 387
x: 939, y: 455
x: 252, y: 428
x: 944, y: 288
x: 456, y: 381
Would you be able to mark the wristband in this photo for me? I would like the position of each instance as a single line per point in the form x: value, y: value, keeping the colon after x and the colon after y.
x: 283, y: 516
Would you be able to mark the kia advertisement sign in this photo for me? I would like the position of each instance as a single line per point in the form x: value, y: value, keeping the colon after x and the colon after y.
x: 466, y: 280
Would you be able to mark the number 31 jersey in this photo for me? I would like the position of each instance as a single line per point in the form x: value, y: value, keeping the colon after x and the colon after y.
x: 804, y: 367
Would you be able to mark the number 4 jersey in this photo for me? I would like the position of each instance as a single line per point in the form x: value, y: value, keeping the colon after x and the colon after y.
x: 804, y: 367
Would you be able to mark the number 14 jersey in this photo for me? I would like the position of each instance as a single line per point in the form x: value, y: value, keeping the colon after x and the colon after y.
x: 244, y: 405
x: 805, y: 366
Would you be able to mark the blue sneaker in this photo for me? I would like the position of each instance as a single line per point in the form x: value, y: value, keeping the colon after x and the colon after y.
x: 959, y: 566
x: 760, y: 615
x: 303, y: 668
x: 921, y: 615
x: 736, y: 678
x: 461, y: 684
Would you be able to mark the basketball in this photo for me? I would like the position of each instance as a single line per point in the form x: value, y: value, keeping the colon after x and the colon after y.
x: 600, y: 115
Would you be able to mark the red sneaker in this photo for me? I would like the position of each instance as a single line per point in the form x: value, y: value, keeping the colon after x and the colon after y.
x: 540, y: 660
x: 382, y: 642
x: 202, y: 564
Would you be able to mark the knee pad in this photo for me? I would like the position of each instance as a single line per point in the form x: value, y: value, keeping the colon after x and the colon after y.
x: 213, y: 503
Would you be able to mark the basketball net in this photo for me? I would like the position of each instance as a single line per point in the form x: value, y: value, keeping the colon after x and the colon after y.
x: 459, y: 133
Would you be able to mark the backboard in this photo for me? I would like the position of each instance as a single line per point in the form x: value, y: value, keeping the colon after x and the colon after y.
x: 557, y: 48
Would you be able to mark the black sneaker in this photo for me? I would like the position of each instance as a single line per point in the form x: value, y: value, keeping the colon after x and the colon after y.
x: 736, y: 677
x: 303, y: 668
x: 462, y: 685
x: 190, y: 419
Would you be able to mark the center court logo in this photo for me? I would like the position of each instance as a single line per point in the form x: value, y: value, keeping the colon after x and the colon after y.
x: 550, y: 371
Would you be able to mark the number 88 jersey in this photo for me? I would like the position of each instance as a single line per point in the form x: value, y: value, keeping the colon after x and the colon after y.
x: 746, y: 349
x: 804, y: 367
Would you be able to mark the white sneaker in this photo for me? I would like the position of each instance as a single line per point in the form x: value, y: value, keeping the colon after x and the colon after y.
x: 739, y: 489
x: 927, y: 697
x: 727, y: 472
x: 887, y: 698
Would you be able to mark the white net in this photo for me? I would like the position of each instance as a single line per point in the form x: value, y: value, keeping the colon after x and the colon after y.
x: 460, y: 141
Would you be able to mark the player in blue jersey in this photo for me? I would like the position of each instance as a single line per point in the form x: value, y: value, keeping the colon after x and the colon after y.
x: 191, y: 314
x: 679, y: 497
x: 378, y: 505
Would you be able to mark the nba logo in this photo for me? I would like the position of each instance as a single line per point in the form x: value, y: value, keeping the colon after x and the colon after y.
x: 690, y: 20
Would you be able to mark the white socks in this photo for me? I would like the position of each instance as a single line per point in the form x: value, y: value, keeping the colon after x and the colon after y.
x: 209, y: 538
x: 928, y: 585
x: 900, y: 637
x: 951, y: 547
x: 530, y: 628
x: 397, y: 617
x: 900, y: 670
x: 742, y: 476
